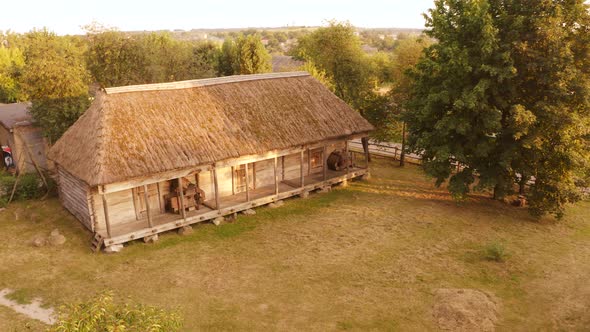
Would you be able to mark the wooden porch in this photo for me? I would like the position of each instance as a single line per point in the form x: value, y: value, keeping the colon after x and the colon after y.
x: 226, y: 205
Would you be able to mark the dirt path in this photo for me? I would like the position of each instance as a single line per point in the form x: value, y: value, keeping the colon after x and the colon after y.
x: 32, y: 310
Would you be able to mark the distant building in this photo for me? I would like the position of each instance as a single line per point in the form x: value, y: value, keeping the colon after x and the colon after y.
x: 22, y: 143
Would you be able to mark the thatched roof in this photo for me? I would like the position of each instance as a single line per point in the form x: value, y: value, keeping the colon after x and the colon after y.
x: 134, y: 131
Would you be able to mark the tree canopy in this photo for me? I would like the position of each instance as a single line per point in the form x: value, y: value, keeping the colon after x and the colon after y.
x: 505, y: 91
x: 56, y: 81
x: 244, y: 55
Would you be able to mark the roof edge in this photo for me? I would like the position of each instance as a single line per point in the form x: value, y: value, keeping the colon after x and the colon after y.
x: 202, y: 82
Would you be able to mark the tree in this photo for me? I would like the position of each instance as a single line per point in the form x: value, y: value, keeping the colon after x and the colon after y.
x: 12, y: 63
x: 227, y: 58
x: 337, y: 51
x: 405, y: 57
x: 252, y: 56
x: 505, y: 92
x: 244, y: 55
x: 56, y: 80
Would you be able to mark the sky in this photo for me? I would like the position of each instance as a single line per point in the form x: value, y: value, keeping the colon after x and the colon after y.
x: 68, y: 16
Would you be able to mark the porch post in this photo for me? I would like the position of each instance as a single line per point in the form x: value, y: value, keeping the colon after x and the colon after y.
x: 147, y: 205
x: 283, y: 167
x: 216, y: 185
x: 105, y: 207
x: 347, y: 158
x: 276, y: 177
x: 247, y: 184
x: 308, y: 161
x: 181, y: 195
x: 301, y: 169
x: 233, y: 187
x: 325, y: 162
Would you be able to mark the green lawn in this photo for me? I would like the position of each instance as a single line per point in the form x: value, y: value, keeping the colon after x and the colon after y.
x: 368, y: 257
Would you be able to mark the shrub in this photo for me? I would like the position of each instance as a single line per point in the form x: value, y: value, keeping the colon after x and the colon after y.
x: 29, y: 186
x: 103, y: 314
x: 495, y: 251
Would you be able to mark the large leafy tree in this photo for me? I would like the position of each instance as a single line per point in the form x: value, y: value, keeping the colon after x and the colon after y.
x: 336, y: 50
x: 505, y: 91
x: 56, y: 80
x: 244, y: 55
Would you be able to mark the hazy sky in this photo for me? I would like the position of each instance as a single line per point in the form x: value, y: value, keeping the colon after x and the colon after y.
x: 66, y: 16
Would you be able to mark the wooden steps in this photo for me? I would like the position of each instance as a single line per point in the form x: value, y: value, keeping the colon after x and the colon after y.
x: 97, y: 243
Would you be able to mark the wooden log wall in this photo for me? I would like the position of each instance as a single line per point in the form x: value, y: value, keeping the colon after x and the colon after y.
x: 73, y: 194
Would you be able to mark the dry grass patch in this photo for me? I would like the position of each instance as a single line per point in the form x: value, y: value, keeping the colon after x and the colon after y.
x: 368, y: 257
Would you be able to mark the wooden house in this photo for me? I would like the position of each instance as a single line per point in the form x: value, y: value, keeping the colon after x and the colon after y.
x: 150, y: 158
x: 21, y: 139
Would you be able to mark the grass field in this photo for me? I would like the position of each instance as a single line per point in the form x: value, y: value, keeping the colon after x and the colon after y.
x: 368, y: 257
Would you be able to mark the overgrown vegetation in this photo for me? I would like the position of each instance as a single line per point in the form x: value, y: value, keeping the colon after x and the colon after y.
x: 103, y: 313
x: 29, y: 186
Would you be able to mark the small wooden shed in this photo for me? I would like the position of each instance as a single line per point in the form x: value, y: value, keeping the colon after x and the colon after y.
x: 150, y: 158
x: 24, y: 140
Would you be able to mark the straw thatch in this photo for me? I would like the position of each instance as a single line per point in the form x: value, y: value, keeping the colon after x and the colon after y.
x: 131, y: 132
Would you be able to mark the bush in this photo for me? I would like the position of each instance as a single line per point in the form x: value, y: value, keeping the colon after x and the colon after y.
x: 495, y: 252
x: 103, y: 314
x: 29, y: 186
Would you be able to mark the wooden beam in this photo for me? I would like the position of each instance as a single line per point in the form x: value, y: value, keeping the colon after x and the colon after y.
x: 325, y: 162
x: 347, y: 157
x: 247, y: 184
x: 160, y: 200
x: 283, y: 168
x: 181, y: 197
x: 254, y: 175
x: 146, y: 197
x: 308, y: 161
x: 233, y: 185
x: 105, y: 207
x: 216, y: 185
x: 301, y: 169
x: 276, y: 177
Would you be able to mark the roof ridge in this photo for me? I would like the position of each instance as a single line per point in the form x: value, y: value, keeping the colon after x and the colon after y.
x: 202, y: 82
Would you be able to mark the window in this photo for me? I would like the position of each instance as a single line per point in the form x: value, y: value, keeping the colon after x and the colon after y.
x: 316, y: 158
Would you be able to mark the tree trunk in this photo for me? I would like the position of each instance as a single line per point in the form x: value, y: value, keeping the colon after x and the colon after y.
x: 402, y: 157
x: 365, y: 141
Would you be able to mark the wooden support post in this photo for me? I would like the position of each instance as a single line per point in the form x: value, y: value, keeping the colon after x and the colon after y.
x: 347, y: 158
x: 247, y: 183
x: 216, y: 185
x: 276, y: 177
x: 308, y: 161
x: 325, y: 162
x: 254, y: 175
x: 233, y: 185
x: 161, y: 203
x: 301, y: 169
x: 181, y: 197
x: 105, y: 207
x: 147, y: 205
x: 283, y: 167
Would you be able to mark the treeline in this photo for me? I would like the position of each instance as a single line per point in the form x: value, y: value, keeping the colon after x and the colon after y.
x: 59, y: 74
